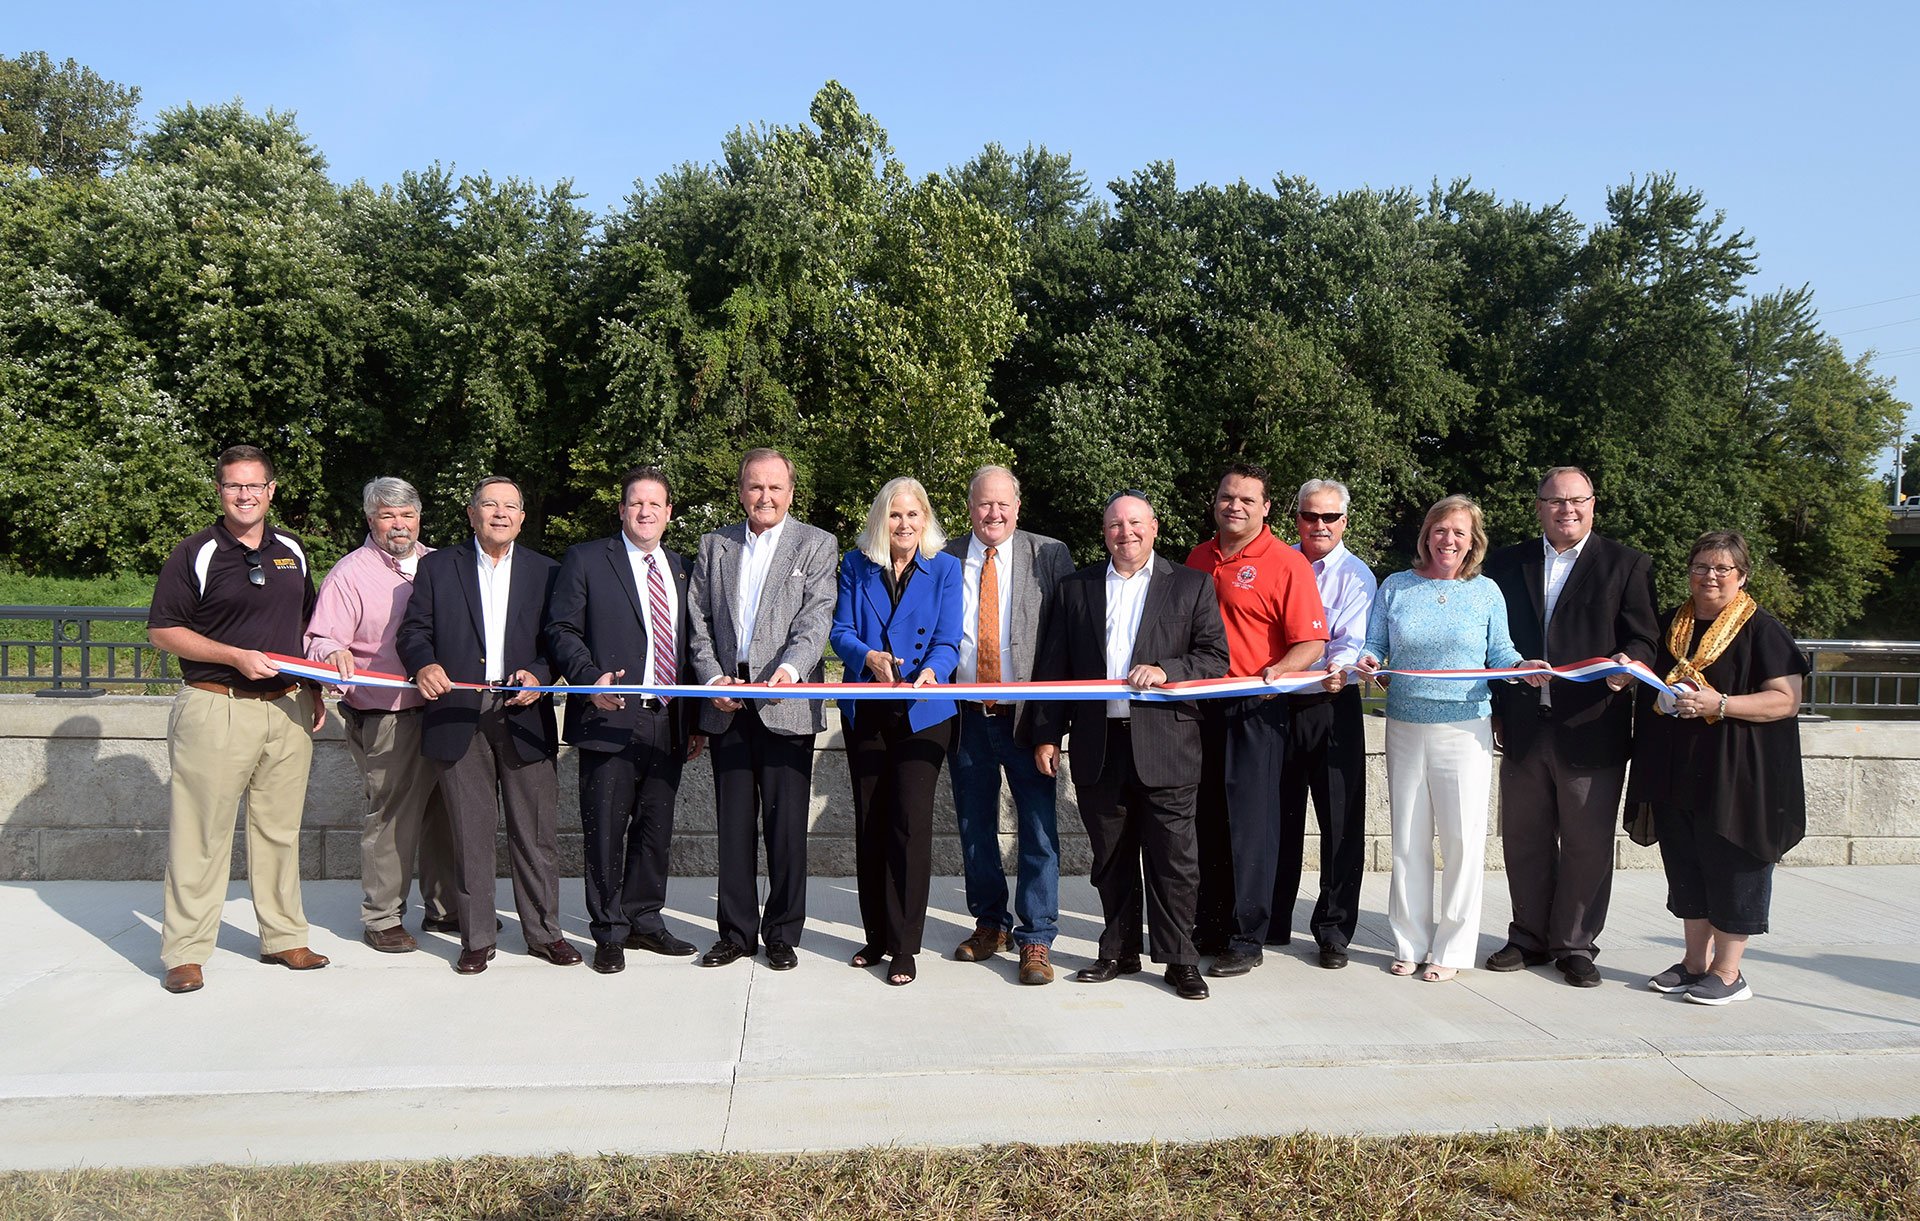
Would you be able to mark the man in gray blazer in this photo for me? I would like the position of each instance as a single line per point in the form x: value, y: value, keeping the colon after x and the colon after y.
x: 1008, y: 576
x: 762, y: 598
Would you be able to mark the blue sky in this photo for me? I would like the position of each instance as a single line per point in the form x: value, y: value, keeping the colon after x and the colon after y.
x: 1797, y: 123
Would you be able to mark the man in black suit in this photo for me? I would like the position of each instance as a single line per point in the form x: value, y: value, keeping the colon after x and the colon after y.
x: 475, y: 617
x: 1571, y: 595
x: 1136, y: 764
x: 619, y: 615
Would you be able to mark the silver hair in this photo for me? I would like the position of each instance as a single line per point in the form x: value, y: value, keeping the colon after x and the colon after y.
x: 992, y: 468
x: 389, y: 492
x: 873, y: 538
x: 1313, y: 487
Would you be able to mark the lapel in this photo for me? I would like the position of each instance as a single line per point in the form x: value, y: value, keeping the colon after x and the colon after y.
x: 525, y: 599
x: 777, y: 571
x: 623, y: 574
x: 873, y: 587
x: 1020, y: 546
x: 469, y: 577
x: 732, y: 543
x: 1159, y: 591
x: 1533, y: 572
x: 1582, y: 569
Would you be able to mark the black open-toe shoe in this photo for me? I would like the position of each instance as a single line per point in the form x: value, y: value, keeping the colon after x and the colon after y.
x: 903, y: 971
x: 868, y: 955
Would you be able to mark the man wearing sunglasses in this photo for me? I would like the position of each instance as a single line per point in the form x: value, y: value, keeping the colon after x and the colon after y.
x: 1571, y: 595
x: 225, y: 598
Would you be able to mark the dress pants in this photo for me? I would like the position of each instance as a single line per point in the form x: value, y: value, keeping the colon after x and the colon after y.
x: 406, y: 819
x: 1127, y: 823
x: 1557, y: 825
x: 491, y: 775
x: 986, y: 747
x: 626, y: 824
x: 1438, y: 780
x: 894, y: 768
x: 1326, y: 760
x: 762, y: 784
x: 222, y: 749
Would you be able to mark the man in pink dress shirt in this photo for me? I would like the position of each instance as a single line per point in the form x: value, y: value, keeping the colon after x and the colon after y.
x: 354, y: 623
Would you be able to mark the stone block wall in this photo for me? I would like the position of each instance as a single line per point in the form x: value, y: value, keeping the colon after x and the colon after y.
x: 83, y: 795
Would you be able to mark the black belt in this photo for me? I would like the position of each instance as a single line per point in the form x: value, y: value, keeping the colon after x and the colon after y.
x: 984, y: 708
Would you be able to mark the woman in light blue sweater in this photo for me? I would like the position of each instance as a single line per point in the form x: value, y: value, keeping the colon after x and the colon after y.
x: 1440, y: 615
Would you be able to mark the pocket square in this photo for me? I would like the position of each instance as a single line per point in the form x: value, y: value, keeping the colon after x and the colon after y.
x: 799, y: 572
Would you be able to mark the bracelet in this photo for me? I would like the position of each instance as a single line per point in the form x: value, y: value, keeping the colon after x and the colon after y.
x: 1721, y: 715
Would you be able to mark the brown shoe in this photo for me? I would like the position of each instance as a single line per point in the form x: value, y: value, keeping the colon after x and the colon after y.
x: 984, y: 944
x: 300, y: 958
x: 559, y: 953
x: 184, y: 978
x: 1035, y: 964
x: 395, y: 940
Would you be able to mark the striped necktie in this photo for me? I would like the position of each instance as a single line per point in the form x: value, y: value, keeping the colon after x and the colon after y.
x: 663, y: 646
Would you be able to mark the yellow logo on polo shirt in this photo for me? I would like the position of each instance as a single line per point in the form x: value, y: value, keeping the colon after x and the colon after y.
x: 283, y: 561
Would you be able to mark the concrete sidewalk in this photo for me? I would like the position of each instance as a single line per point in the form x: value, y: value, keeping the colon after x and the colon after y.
x: 394, y: 1056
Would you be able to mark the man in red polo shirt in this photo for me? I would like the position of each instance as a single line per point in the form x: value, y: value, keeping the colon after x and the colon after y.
x: 1275, y: 624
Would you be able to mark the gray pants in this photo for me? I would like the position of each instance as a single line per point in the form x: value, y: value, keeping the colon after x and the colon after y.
x: 1556, y: 831
x: 406, y: 819
x: 489, y: 776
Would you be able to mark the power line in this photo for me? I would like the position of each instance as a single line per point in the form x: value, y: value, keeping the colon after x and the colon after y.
x: 1878, y: 327
x: 1848, y: 309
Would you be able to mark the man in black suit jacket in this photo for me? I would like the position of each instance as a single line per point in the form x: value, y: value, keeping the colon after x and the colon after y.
x: 1136, y: 765
x: 619, y: 615
x: 1571, y: 595
x: 475, y: 616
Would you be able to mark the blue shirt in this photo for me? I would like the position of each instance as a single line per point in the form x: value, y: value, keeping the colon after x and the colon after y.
x: 1422, y: 624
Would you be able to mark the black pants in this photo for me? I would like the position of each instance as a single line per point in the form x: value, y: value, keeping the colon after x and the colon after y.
x: 1239, y: 825
x: 894, y: 769
x: 1326, y: 760
x: 1128, y: 824
x: 626, y: 823
x: 761, y: 781
x: 476, y: 786
x: 1557, y: 823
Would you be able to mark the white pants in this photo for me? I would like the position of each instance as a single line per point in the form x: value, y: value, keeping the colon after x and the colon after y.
x: 1438, y: 779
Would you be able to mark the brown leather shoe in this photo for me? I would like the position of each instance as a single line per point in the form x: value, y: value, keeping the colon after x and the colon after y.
x: 395, y: 940
x: 559, y: 953
x: 299, y: 958
x: 984, y: 944
x: 183, y: 978
x: 1035, y: 965
x: 472, y: 962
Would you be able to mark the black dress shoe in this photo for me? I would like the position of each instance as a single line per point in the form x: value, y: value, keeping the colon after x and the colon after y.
x: 1511, y: 957
x: 722, y: 953
x: 472, y: 962
x: 780, y: 956
x: 1333, y: 957
x: 1235, y: 962
x: 1580, y: 971
x: 661, y: 942
x: 1184, y: 979
x: 1105, y: 969
x: 559, y: 953
x: 609, y: 959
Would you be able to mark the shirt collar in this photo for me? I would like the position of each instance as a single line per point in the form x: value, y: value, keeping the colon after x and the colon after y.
x: 488, y: 560
x: 1256, y: 547
x: 419, y: 549
x: 634, y: 548
x: 1329, y: 560
x: 1113, y: 574
x: 1546, y: 548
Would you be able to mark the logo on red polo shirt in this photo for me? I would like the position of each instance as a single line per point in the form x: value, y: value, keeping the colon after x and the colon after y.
x: 1244, y: 579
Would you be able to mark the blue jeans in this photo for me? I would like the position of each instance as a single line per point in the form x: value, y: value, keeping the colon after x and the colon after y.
x: 986, y: 746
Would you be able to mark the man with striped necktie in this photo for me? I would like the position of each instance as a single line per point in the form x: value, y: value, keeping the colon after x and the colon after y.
x: 619, y: 616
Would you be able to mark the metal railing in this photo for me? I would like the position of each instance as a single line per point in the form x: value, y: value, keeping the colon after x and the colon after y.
x: 80, y: 650
x: 1834, y: 685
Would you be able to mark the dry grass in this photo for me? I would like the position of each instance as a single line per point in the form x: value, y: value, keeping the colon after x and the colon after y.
x: 1749, y: 1171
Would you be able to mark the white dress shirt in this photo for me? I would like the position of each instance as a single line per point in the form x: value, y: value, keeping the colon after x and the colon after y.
x: 496, y: 580
x: 1553, y: 578
x: 637, y: 560
x: 968, y: 669
x: 1126, y: 598
x: 1347, y: 588
x: 754, y: 566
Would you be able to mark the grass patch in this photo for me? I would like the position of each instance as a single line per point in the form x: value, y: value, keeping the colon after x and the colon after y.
x: 122, y: 589
x: 1752, y: 1171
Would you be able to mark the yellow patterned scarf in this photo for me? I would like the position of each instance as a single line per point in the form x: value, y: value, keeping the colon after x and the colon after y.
x: 1720, y: 633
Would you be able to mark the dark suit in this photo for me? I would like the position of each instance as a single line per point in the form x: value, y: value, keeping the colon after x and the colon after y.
x: 894, y: 749
x: 630, y: 757
x: 1136, y: 778
x: 1562, y: 766
x: 490, y: 754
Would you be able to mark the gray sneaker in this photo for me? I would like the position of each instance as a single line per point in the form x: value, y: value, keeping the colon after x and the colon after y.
x: 1713, y: 990
x: 1675, y: 978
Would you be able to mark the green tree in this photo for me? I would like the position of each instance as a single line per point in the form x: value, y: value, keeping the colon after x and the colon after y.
x: 65, y: 120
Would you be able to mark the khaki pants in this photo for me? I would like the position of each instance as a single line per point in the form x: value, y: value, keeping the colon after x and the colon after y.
x: 406, y: 820
x: 223, y: 749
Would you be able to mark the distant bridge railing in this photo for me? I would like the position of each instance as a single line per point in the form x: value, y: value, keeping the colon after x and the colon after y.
x: 78, y: 650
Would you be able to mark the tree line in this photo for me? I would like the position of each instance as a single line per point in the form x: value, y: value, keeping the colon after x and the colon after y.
x: 167, y: 291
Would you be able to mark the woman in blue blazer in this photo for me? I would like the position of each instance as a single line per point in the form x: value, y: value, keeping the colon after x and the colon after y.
x: 897, y: 622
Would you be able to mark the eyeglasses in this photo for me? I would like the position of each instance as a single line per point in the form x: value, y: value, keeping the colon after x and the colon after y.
x: 250, y: 489
x: 1564, y: 502
x: 1328, y: 518
x: 1124, y: 493
x: 1722, y: 571
x: 256, y: 571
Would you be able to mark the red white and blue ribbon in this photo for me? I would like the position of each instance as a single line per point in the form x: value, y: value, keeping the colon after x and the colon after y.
x: 1085, y: 689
